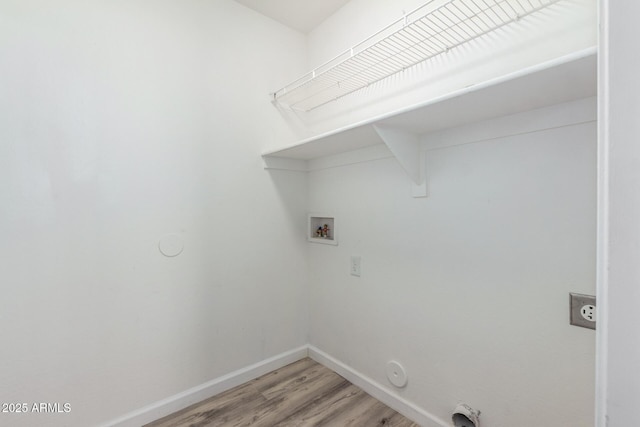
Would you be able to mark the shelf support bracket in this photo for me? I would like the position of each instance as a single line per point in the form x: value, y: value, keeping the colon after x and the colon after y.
x: 405, y: 146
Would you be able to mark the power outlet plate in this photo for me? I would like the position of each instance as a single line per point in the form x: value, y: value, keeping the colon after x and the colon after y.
x: 582, y: 310
x: 356, y: 263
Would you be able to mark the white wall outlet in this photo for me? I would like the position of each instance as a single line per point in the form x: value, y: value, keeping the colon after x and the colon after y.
x: 583, y: 310
x: 588, y: 312
x: 355, y: 265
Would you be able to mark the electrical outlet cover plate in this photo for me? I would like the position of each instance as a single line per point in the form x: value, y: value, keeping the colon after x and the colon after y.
x: 583, y: 310
x: 355, y: 265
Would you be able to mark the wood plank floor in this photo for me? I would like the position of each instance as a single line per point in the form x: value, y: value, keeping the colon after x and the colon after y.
x: 302, y: 394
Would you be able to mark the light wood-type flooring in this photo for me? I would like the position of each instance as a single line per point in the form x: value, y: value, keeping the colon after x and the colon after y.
x: 302, y: 394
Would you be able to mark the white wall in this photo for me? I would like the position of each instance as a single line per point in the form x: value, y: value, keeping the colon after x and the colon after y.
x: 120, y: 122
x: 619, y: 271
x: 468, y: 288
x: 123, y: 121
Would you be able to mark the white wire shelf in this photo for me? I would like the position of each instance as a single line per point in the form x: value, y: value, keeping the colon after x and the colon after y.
x: 428, y: 31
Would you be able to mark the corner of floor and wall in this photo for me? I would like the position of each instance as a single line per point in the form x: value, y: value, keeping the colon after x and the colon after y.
x: 151, y: 262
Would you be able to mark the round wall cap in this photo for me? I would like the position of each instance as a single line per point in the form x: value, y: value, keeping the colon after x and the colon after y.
x: 396, y: 374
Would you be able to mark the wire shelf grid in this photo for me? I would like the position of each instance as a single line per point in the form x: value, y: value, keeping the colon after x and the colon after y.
x: 430, y: 30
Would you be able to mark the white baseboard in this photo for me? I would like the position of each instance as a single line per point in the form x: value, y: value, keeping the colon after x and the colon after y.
x: 196, y: 394
x: 384, y: 395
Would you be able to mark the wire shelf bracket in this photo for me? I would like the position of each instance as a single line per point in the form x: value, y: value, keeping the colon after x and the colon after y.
x: 428, y: 31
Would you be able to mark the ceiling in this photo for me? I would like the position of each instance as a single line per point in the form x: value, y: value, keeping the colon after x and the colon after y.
x: 302, y: 15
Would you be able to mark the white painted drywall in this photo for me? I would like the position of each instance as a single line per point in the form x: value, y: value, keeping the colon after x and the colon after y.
x: 619, y: 271
x: 563, y: 28
x: 122, y: 122
x: 468, y: 288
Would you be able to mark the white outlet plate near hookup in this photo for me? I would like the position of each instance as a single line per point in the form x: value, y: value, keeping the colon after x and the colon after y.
x: 356, y: 263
